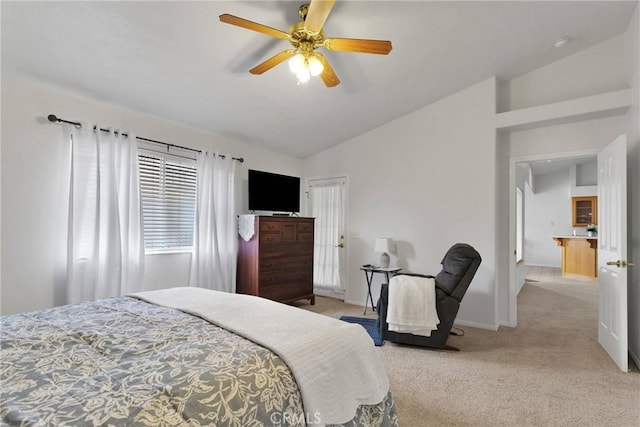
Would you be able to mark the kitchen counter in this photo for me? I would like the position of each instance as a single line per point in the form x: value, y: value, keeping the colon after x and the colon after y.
x: 579, y: 255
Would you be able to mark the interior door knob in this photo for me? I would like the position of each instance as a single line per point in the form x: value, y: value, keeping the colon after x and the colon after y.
x: 621, y: 263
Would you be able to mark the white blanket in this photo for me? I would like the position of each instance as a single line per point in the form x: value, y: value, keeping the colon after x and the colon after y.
x: 412, y: 305
x: 334, y: 363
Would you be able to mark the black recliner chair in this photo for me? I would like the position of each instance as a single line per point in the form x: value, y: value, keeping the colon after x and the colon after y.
x: 459, y: 265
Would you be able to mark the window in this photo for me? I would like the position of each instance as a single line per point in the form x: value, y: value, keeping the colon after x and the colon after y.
x: 168, y: 193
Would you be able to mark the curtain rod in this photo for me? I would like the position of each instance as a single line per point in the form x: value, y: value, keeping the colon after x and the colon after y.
x: 53, y: 119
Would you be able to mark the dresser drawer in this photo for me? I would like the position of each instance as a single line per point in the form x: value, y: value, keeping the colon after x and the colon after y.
x: 286, y: 235
x: 271, y: 250
x: 291, y: 278
x: 285, y: 263
x: 268, y: 225
x: 305, y: 237
x: 269, y: 238
x: 305, y: 227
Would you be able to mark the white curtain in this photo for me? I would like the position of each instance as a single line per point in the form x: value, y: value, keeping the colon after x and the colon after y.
x: 105, y: 246
x: 327, y: 206
x: 213, y: 264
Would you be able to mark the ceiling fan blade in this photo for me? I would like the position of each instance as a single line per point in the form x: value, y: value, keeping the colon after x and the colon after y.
x: 245, y: 23
x: 328, y: 76
x: 317, y: 14
x: 380, y: 47
x: 273, y: 61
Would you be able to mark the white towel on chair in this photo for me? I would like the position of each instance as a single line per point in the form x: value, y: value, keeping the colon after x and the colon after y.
x: 412, y: 305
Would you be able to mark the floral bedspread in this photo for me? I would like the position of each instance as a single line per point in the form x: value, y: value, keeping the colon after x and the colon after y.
x: 122, y: 361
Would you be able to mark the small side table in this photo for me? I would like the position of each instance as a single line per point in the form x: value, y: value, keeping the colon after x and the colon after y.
x: 368, y: 274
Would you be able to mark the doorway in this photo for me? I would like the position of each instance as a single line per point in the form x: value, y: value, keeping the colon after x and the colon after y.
x: 522, y: 176
x: 545, y: 191
x: 611, y: 248
x: 326, y: 202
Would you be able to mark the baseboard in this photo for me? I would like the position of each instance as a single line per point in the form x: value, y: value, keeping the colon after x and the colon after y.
x: 476, y: 325
x: 508, y: 324
x: 330, y: 293
x: 339, y: 299
x: 359, y: 303
x: 542, y: 265
x: 635, y: 358
x: 457, y: 322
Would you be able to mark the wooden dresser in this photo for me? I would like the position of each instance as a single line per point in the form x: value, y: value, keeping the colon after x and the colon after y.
x: 277, y: 262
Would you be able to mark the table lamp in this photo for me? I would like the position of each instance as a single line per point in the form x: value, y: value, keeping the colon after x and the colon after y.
x: 384, y: 245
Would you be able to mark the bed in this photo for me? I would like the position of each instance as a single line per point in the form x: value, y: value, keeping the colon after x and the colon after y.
x: 189, y: 356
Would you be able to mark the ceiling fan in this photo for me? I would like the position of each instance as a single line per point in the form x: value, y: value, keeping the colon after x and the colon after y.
x: 305, y: 37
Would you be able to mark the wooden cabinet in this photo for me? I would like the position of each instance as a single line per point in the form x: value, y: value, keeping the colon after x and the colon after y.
x: 277, y: 262
x: 584, y: 211
x: 579, y: 256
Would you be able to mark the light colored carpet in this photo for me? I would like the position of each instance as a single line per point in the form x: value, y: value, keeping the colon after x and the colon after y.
x: 549, y: 371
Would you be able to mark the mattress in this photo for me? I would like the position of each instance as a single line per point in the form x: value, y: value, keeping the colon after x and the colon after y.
x: 125, y: 361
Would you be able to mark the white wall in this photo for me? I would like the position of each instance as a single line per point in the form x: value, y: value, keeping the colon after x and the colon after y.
x: 567, y: 79
x: 427, y: 180
x: 547, y: 212
x: 580, y: 137
x: 33, y: 188
x: 584, y: 179
x: 586, y: 174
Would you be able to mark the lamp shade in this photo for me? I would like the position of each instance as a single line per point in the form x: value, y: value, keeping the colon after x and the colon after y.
x: 297, y: 63
x: 315, y: 66
x: 384, y: 245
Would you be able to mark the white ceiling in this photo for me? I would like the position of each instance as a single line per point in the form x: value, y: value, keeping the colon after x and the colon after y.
x: 176, y: 60
x: 543, y: 167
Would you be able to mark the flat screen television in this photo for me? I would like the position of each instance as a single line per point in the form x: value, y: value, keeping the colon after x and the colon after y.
x: 273, y: 192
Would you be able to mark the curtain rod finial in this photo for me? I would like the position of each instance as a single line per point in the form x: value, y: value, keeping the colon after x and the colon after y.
x: 52, y: 118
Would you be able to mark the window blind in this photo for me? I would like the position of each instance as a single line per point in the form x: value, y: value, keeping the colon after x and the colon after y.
x: 168, y: 193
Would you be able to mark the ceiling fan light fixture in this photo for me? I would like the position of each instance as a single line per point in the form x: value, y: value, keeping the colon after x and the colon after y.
x: 297, y: 63
x: 305, y: 37
x: 304, y: 76
x: 315, y: 66
x: 305, y: 65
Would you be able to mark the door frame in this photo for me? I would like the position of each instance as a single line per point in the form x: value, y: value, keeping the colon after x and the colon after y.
x: 347, y: 248
x: 512, y: 321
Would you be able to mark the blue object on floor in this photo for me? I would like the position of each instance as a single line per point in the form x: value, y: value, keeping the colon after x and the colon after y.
x: 370, y: 325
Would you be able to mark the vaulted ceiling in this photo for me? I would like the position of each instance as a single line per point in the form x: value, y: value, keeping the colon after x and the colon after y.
x: 176, y: 60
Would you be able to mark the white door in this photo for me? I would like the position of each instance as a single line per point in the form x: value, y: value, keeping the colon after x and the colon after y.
x: 327, y: 204
x: 612, y: 251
